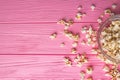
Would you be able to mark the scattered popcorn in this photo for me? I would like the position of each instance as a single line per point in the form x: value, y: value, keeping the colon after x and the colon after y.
x: 72, y: 36
x: 101, y: 57
x: 79, y: 16
x: 77, y: 58
x: 83, y: 42
x: 82, y: 75
x: 89, y: 70
x: 62, y: 44
x: 80, y: 59
x: 53, y: 36
x: 75, y: 44
x: 110, y: 43
x: 84, y: 29
x: 99, y: 20
x: 62, y: 21
x: 66, y: 23
x: 90, y: 30
x: 89, y: 78
x: 73, y: 50
x: 87, y: 36
x: 93, y: 7
x: 79, y: 64
x: 79, y: 7
x: 95, y: 50
x: 84, y: 14
x: 114, y: 6
x: 89, y: 40
x: 67, y: 61
x: 106, y: 68
x: 113, y: 73
x: 107, y: 11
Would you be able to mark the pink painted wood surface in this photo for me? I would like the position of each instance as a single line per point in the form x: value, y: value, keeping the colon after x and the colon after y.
x: 27, y: 11
x: 27, y: 53
x: 34, y: 38
x: 33, y: 67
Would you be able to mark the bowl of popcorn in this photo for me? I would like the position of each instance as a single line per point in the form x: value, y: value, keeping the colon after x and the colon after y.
x: 109, y: 38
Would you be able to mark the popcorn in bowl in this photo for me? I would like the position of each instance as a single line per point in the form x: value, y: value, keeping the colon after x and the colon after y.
x: 109, y: 38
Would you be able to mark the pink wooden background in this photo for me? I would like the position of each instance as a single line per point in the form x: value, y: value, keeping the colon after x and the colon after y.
x: 27, y: 53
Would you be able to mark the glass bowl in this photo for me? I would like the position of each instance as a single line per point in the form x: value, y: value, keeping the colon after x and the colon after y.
x: 102, y: 27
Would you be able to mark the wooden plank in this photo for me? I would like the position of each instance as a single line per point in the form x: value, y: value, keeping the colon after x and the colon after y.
x: 44, y: 67
x: 28, y: 11
x: 34, y: 38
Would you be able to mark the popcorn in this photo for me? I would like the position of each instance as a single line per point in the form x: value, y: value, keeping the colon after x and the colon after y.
x: 53, y: 36
x: 73, y: 50
x: 84, y: 29
x: 62, y: 44
x: 66, y: 23
x: 89, y: 70
x: 99, y: 20
x: 75, y: 44
x: 106, y: 68
x: 82, y: 75
x: 71, y: 35
x: 93, y: 7
x: 79, y: 7
x: 79, y: 16
x: 67, y: 61
x: 107, y: 11
x: 83, y: 42
x: 80, y: 59
x: 114, y: 6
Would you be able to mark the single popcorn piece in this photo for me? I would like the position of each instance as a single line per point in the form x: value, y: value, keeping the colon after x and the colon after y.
x: 82, y: 75
x: 93, y: 7
x: 90, y: 30
x: 75, y: 37
x: 83, y: 42
x: 62, y: 44
x: 62, y: 21
x: 84, y: 29
x: 75, y: 44
x: 53, y: 36
x: 73, y: 50
x: 88, y: 36
x: 89, y: 70
x: 107, y: 11
x: 67, y: 61
x: 79, y: 64
x: 84, y: 14
x: 95, y: 50
x: 106, y: 68
x: 99, y: 20
x: 79, y: 7
x: 79, y: 16
x: 114, y: 6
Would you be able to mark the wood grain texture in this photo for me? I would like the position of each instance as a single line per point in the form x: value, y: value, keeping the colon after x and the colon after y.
x: 22, y: 11
x: 40, y: 68
x: 34, y: 38
x: 27, y: 53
